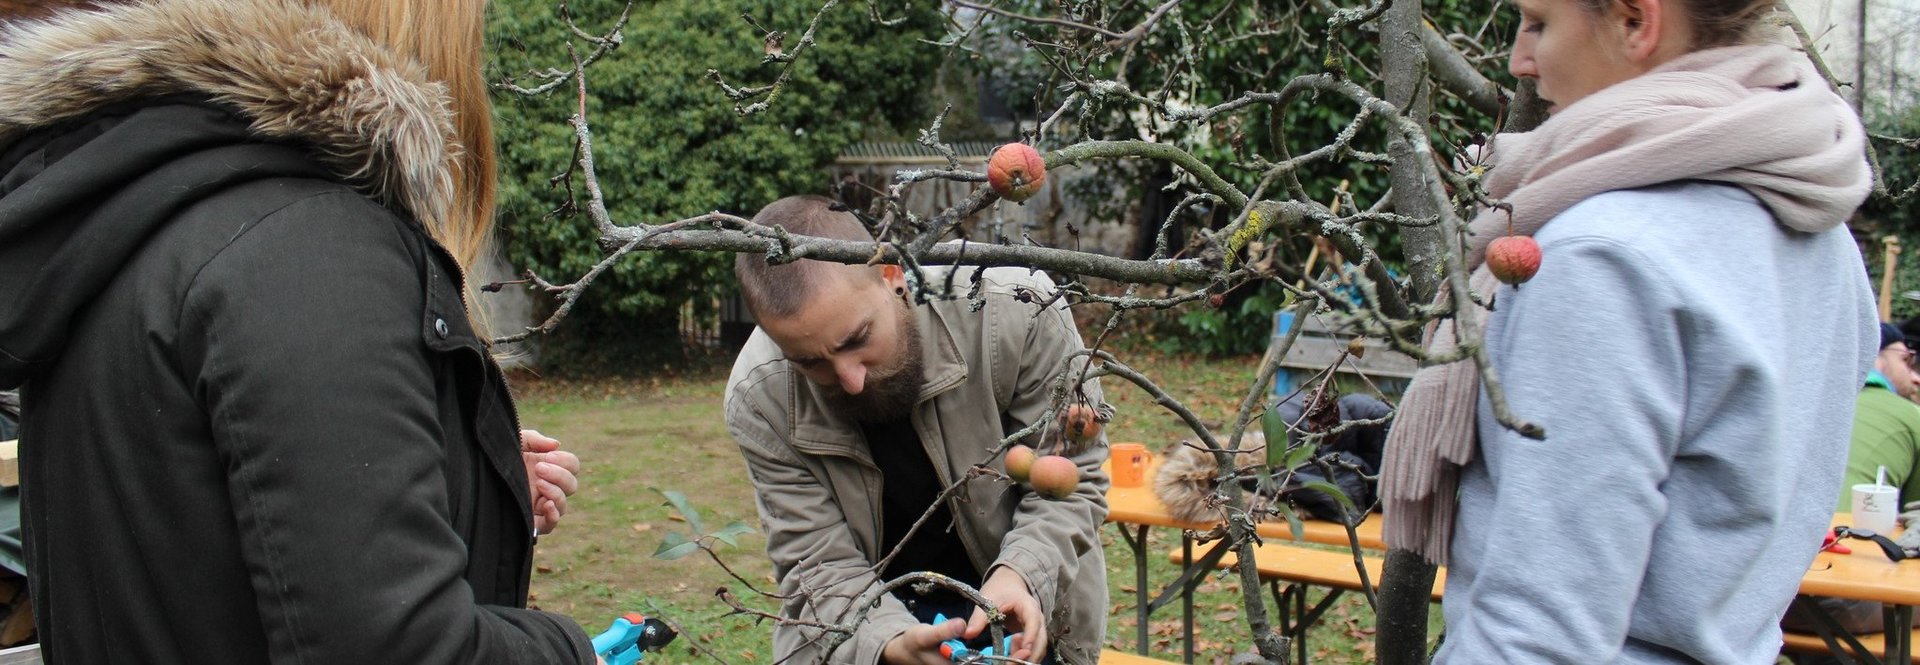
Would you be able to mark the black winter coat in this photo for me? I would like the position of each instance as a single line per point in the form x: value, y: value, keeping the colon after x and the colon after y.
x: 257, y: 426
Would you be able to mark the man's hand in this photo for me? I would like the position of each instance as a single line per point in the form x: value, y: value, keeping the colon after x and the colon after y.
x: 1911, y: 518
x: 551, y: 478
x: 920, y: 645
x: 1009, y: 592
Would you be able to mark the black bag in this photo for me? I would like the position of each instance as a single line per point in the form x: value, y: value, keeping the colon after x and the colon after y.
x: 1352, y: 455
x: 1347, y: 477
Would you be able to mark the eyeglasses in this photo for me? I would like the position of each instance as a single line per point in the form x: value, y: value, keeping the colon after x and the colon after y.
x: 1908, y: 357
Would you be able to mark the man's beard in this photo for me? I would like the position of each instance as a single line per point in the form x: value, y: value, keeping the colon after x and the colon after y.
x: 890, y: 396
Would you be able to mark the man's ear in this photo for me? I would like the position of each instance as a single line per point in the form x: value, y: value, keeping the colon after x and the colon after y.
x: 895, y: 277
x: 1642, y: 26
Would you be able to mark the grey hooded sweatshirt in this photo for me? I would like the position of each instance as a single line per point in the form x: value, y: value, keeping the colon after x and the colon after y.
x: 1694, y: 364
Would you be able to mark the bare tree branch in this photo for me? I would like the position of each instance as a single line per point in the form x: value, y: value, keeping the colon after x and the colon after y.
x: 603, y: 44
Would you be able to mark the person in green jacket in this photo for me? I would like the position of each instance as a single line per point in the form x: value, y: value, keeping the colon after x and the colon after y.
x: 1886, y: 423
x: 1886, y: 431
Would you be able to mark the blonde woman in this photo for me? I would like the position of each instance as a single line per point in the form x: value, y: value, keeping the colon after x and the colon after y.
x: 258, y: 425
x: 1691, y: 344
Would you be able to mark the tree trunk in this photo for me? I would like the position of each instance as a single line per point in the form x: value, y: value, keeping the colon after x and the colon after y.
x: 1405, y: 581
x: 1401, y: 634
x: 1404, y: 66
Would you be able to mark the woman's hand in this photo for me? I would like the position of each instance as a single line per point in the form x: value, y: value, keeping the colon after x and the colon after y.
x: 552, y: 476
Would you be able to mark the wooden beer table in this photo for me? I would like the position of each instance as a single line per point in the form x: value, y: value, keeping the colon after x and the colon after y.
x: 1133, y: 510
x: 1866, y: 574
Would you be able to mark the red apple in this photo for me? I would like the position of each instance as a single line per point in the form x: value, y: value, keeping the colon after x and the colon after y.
x: 1513, y: 259
x: 1016, y: 171
x: 1019, y: 462
x: 1055, y: 476
x: 1081, y: 423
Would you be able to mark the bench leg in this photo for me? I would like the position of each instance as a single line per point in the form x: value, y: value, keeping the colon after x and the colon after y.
x: 1186, y: 596
x: 1190, y: 579
x: 1833, y: 633
x: 1283, y: 598
x: 1292, y: 601
x: 1139, y: 545
x: 1310, y: 617
x: 1301, y: 625
x: 1898, y: 620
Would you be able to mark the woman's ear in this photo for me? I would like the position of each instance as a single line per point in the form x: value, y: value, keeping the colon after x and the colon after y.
x: 1643, y: 29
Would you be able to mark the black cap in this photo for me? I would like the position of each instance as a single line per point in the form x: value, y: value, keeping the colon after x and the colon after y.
x: 1911, y: 327
x: 1889, y: 334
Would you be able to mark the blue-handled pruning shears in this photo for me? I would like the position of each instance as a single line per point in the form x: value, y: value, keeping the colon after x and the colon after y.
x: 958, y: 651
x: 630, y: 637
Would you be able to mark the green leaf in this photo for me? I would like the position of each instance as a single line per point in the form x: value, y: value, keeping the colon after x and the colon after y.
x: 1275, y: 427
x: 1293, y: 521
x: 674, y: 546
x: 679, y: 503
x: 731, y: 532
x: 1331, y: 491
x: 1298, y: 455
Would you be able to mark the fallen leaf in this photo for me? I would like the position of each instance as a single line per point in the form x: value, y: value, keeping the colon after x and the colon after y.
x: 642, y: 527
x: 543, y: 569
x: 1226, y: 616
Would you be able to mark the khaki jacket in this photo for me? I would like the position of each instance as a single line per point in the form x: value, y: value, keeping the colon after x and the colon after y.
x: 988, y: 373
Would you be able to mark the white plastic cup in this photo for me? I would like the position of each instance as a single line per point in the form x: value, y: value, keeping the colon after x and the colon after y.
x: 1875, y: 507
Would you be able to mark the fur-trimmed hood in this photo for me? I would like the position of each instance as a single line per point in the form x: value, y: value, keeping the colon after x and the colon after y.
x: 294, y: 71
x: 113, y: 121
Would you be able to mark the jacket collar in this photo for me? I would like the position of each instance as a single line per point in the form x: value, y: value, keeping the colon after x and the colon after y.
x: 295, y: 72
x: 944, y: 368
x: 1875, y: 378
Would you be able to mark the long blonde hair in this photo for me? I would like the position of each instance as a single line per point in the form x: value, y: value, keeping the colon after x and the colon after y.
x: 447, y: 38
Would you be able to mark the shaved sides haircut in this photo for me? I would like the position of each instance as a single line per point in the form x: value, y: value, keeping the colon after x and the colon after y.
x: 780, y: 291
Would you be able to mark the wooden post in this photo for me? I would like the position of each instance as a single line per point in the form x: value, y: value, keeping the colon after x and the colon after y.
x: 1890, y: 263
x: 1313, y: 256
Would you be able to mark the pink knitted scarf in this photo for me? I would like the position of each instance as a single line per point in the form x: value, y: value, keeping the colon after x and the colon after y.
x: 1757, y: 116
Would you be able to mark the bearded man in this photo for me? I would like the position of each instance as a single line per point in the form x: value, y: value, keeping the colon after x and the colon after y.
x: 856, y: 408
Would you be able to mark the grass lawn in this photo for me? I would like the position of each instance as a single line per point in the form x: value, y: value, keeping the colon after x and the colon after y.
x: 668, y: 434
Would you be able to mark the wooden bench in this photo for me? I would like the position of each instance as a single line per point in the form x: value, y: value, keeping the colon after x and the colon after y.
x: 1111, y: 657
x: 1301, y: 568
x: 1312, y: 567
x: 1809, y: 643
x: 1320, y: 345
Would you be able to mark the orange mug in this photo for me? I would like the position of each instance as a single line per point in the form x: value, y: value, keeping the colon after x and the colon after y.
x: 1130, y: 462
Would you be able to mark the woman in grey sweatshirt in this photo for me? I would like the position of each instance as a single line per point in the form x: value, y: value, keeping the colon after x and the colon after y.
x: 1690, y: 344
